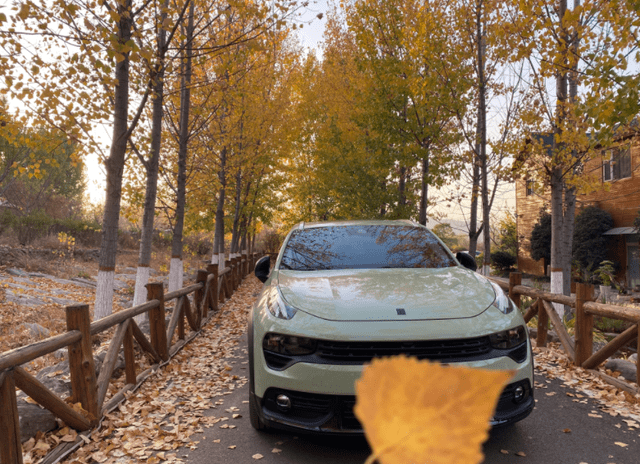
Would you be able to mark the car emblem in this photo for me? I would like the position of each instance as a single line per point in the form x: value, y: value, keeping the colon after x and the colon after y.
x: 401, y: 312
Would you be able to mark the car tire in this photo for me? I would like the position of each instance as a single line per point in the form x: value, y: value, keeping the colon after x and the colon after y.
x: 254, y: 416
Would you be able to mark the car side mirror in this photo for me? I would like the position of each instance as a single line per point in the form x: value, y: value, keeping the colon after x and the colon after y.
x: 466, y: 260
x: 261, y: 270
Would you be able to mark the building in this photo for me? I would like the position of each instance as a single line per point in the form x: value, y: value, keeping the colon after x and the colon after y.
x: 615, y: 178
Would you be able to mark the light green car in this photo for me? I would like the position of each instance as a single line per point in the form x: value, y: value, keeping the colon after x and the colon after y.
x: 342, y: 293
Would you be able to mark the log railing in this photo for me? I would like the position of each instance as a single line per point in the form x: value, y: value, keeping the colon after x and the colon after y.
x: 579, y: 349
x: 86, y: 405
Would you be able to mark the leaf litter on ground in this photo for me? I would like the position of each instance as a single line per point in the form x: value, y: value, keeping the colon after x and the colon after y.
x: 159, y: 420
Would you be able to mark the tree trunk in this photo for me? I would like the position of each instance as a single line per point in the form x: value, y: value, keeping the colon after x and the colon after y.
x: 176, y: 270
x: 474, y: 232
x: 402, y: 195
x: 424, y: 191
x: 482, y: 138
x: 562, y: 206
x: 157, y: 80
x: 114, y: 167
x: 235, y: 238
x: 218, y: 240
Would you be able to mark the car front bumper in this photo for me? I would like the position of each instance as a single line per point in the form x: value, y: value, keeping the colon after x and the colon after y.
x: 323, y: 395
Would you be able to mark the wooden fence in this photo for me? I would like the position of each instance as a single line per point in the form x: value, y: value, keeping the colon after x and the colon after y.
x: 212, y: 287
x: 580, y: 348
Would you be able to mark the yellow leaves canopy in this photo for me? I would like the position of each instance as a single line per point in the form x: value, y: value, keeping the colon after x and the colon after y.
x: 416, y: 411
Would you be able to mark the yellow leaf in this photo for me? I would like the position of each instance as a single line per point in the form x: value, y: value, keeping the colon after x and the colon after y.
x: 257, y: 456
x: 413, y: 411
x: 623, y: 445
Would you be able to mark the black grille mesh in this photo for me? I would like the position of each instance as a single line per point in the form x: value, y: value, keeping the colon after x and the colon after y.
x: 441, y: 350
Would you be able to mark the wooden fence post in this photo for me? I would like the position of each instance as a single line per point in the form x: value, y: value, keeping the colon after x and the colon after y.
x: 515, y: 278
x: 10, y: 442
x: 129, y: 357
x: 199, y: 298
x: 638, y: 361
x: 229, y: 278
x: 234, y: 273
x: 543, y: 322
x: 81, y: 365
x: 213, y: 298
x: 584, y: 324
x: 157, y: 325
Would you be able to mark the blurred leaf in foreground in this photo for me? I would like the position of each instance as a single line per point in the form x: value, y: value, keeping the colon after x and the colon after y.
x: 420, y: 411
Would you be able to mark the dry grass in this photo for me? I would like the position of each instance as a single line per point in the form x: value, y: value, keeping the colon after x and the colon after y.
x: 61, y: 263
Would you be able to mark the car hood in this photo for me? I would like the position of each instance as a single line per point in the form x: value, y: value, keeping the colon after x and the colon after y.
x: 382, y: 294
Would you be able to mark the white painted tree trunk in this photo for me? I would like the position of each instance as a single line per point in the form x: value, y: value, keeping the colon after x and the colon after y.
x: 104, y: 295
x: 220, y: 261
x: 140, y: 293
x: 176, y: 274
x: 557, y: 279
x: 486, y: 270
x: 214, y: 259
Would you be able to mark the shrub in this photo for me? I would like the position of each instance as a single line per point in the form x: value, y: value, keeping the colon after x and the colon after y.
x: 507, y: 234
x: 31, y: 226
x: 589, y: 245
x: 502, y: 261
x: 199, y: 244
x: 541, y: 238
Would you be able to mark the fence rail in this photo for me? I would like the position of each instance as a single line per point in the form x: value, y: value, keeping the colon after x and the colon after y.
x: 580, y: 348
x: 212, y: 288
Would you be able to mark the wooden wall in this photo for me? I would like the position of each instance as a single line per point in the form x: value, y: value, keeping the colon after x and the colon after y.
x: 527, y: 212
x: 621, y: 198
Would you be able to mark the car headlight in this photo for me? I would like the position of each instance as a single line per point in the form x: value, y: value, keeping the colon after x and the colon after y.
x: 288, y: 345
x: 278, y: 307
x: 508, y: 338
x: 502, y: 301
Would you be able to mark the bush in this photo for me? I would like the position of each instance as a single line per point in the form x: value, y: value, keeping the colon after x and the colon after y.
x: 199, y: 244
x: 31, y: 226
x: 589, y: 245
x: 541, y: 238
x: 502, y: 261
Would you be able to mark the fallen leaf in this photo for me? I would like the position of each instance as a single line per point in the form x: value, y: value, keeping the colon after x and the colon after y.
x: 237, y: 416
x: 232, y: 447
x: 623, y: 445
x: 454, y: 402
x: 216, y: 440
x: 504, y: 451
x: 567, y: 430
x: 276, y: 450
x: 257, y: 456
x: 521, y: 454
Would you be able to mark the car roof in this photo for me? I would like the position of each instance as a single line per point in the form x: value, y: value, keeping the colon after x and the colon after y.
x: 372, y: 222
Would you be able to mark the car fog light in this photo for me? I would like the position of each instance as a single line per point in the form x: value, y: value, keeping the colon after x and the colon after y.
x: 283, y: 402
x: 518, y: 394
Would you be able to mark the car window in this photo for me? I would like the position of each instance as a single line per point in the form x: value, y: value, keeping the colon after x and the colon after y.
x: 364, y: 247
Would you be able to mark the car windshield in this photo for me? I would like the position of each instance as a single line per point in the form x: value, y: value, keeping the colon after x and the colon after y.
x: 364, y: 247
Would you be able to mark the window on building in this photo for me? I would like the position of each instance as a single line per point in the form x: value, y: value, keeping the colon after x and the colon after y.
x: 530, y: 186
x: 616, y: 164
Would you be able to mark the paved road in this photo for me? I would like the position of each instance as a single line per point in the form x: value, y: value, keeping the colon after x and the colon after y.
x: 540, y: 437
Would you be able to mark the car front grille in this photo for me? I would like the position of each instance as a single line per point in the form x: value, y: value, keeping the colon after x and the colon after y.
x: 440, y: 350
